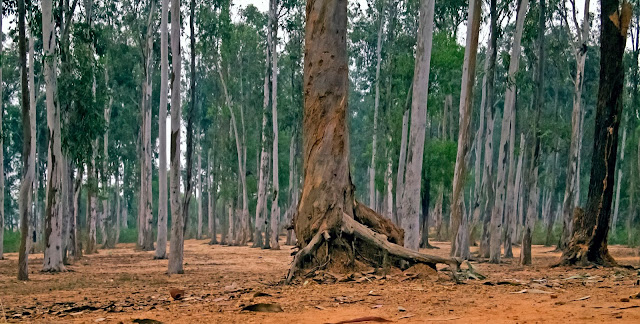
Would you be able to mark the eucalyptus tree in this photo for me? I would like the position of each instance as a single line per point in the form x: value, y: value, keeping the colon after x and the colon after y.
x: 1, y: 139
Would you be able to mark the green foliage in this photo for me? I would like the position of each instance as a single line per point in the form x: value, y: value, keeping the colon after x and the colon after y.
x: 128, y: 235
x: 11, y: 241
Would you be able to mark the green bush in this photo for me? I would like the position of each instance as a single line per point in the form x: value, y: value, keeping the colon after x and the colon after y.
x: 128, y: 235
x: 11, y: 241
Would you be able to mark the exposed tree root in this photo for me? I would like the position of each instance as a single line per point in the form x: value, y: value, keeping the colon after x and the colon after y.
x: 378, y: 241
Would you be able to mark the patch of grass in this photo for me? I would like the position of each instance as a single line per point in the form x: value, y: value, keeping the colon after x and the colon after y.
x: 11, y: 241
x: 621, y: 236
x: 128, y: 235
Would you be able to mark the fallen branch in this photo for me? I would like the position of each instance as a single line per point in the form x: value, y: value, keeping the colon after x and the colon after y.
x: 307, y: 250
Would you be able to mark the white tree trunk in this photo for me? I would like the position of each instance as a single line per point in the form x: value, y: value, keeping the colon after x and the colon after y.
x: 517, y: 189
x: 579, y: 48
x: 459, y: 246
x: 411, y: 195
x: 397, y: 217
x: 33, y: 237
x: 177, y: 221
x: 619, y: 180
x: 146, y: 174
x: 161, y: 244
x: 1, y: 146
x: 507, y: 123
x: 53, y: 219
x: 106, y: 217
x: 199, y: 192
x: 275, y: 207
x: 372, y: 168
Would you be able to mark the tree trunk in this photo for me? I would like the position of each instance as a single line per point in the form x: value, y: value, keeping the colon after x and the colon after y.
x: 374, y: 144
x: 616, y: 205
x: 199, y: 193
x: 411, y: 195
x: 53, y: 220
x: 213, y: 188
x: 106, y: 210
x: 91, y: 203
x: 264, y: 156
x: 466, y: 106
x: 161, y: 244
x: 580, y: 49
x: 27, y: 177
x: 488, y: 184
x: 507, y: 123
x: 33, y: 237
x: 1, y: 143
x: 328, y: 215
x: 292, y: 188
x: 401, y: 164
x: 177, y: 219
x: 275, y: 207
x: 73, y: 231
x: 588, y: 244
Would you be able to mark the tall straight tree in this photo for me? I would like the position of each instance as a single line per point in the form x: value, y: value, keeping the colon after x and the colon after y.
x: 161, y: 245
x: 1, y: 143
x: 459, y: 230
x: 264, y: 156
x: 588, y: 244
x: 488, y: 80
x: 579, y: 47
x: 275, y: 207
x: 188, y: 180
x: 176, y: 254
x: 145, y: 230
x: 508, y: 122
x: 376, y: 104
x: 27, y: 179
x: 53, y: 217
x: 532, y: 206
x: 411, y: 196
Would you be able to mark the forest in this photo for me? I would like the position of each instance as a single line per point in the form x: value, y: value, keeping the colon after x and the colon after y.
x: 328, y: 161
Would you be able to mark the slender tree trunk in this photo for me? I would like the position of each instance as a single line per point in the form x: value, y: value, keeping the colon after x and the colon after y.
x: 33, y: 237
x: 459, y: 247
x: 580, y: 49
x: 372, y: 167
x: 188, y: 180
x: 73, y: 231
x: 213, y: 188
x: 616, y: 204
x: 588, y: 244
x: 275, y: 207
x: 411, y: 194
x: 1, y: 142
x: 27, y: 177
x: 401, y: 165
x: 106, y: 209
x: 161, y: 244
x: 177, y: 219
x: 199, y: 192
x: 488, y: 184
x: 264, y: 157
x: 91, y: 203
x: 507, y: 124
x: 116, y: 227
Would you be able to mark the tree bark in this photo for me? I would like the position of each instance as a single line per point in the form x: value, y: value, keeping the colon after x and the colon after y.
x: 374, y: 144
x: 508, y: 120
x: 411, y: 195
x: 275, y: 207
x: 616, y: 205
x: 213, y: 188
x: 199, y: 192
x: 27, y: 177
x: 580, y: 53
x: 488, y: 184
x: 53, y: 220
x: 177, y: 219
x: 1, y: 142
x: 588, y: 244
x: 161, y: 244
x: 460, y: 248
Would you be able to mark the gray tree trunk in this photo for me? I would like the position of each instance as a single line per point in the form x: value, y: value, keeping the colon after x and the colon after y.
x: 1, y: 145
x: 53, y: 220
x: 176, y: 254
x: 372, y: 167
x: 275, y: 207
x: 503, y: 150
x: 616, y: 204
x: 459, y: 246
x: 199, y: 192
x: 411, y: 195
x: 161, y: 244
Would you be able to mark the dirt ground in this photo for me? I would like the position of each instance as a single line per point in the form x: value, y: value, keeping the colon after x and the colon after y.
x: 125, y: 286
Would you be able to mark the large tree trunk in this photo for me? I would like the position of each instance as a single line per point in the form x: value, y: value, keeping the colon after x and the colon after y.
x: 328, y: 215
x: 488, y: 185
x: 161, y: 244
x: 275, y: 207
x: 264, y: 155
x: 580, y: 53
x: 411, y: 195
x: 177, y: 219
x: 27, y: 178
x: 508, y: 122
x: 459, y: 247
x: 53, y: 220
x: 588, y: 244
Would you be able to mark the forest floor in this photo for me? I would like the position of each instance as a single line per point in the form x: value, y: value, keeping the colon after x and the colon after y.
x: 124, y: 286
